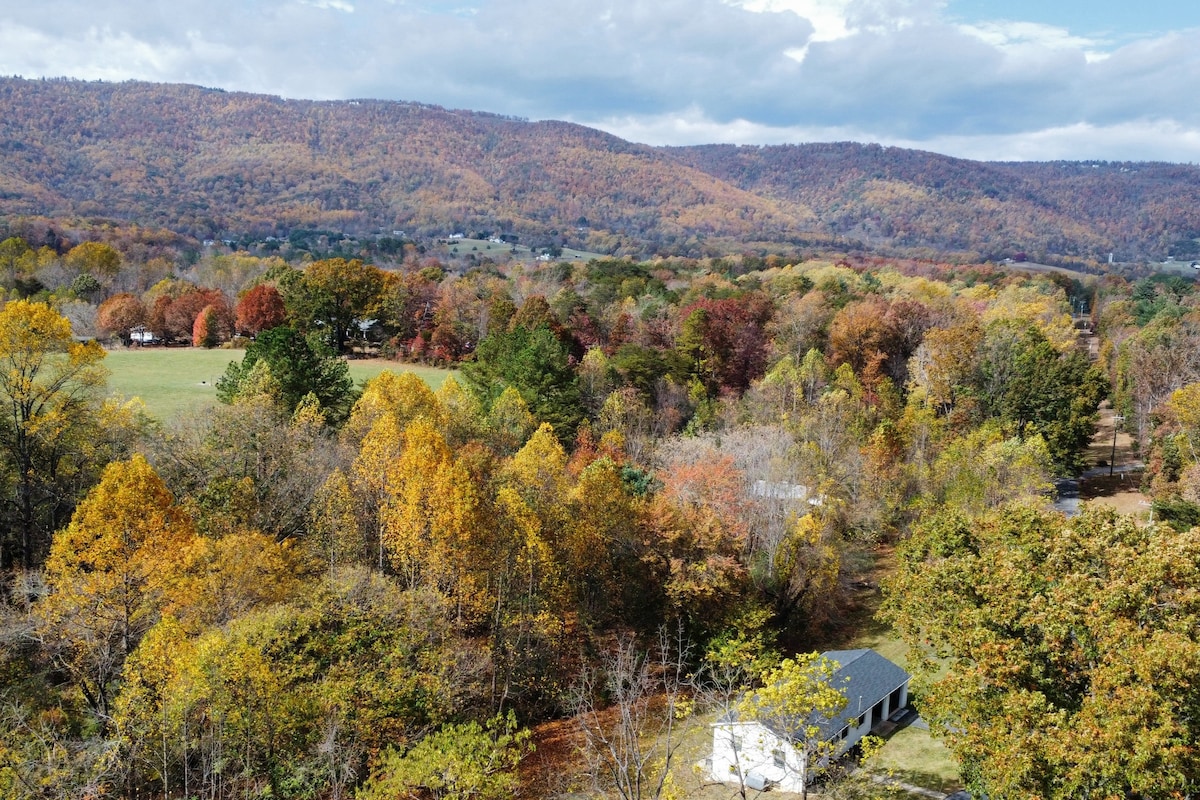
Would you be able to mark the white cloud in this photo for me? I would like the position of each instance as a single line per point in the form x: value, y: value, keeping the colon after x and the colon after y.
x: 334, y: 5
x: 1032, y: 37
x: 1136, y: 140
x: 828, y: 17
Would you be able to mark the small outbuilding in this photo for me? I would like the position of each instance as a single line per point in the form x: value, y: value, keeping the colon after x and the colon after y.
x: 142, y: 335
x: 760, y: 752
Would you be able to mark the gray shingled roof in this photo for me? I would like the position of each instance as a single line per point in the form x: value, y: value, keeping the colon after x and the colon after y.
x: 866, y: 677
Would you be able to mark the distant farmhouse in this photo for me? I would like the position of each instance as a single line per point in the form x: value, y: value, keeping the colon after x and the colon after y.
x: 142, y: 335
x: 758, y: 753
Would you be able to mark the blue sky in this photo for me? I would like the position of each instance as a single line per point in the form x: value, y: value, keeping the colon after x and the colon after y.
x: 1119, y: 20
x: 1017, y: 80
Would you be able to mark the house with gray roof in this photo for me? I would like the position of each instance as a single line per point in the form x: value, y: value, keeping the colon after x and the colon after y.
x: 761, y: 752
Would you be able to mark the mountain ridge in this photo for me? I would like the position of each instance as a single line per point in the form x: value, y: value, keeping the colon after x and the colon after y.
x: 210, y: 162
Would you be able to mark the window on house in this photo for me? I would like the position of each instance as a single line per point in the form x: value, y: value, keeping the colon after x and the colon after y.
x: 737, y: 743
x: 778, y: 758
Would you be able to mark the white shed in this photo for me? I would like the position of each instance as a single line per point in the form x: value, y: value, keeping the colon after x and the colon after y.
x: 759, y: 752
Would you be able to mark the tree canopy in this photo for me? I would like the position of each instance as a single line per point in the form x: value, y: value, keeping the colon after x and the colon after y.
x: 1057, y: 655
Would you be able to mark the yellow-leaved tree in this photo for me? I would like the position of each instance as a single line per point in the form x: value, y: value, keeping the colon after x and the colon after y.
x: 404, y: 397
x: 431, y: 523
x: 50, y: 388
x: 110, y: 575
x: 796, y: 699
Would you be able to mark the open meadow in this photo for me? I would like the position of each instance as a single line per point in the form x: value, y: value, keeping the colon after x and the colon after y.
x: 174, y: 380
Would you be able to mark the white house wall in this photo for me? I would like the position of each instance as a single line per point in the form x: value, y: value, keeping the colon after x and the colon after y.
x: 757, y: 755
x: 759, y: 746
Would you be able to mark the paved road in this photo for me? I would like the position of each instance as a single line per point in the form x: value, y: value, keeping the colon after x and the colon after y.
x: 1068, y: 496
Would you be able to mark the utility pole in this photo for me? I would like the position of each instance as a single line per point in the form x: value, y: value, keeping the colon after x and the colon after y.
x: 1112, y: 459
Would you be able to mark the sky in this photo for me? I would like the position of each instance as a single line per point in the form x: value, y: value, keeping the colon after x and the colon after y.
x: 979, y: 79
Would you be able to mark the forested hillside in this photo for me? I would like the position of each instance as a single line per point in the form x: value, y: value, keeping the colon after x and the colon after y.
x: 214, y: 164
x: 891, y: 197
x: 209, y: 163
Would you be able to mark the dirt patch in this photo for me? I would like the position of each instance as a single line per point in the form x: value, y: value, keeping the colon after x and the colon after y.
x: 1101, y: 451
x: 553, y: 768
x: 1120, y: 491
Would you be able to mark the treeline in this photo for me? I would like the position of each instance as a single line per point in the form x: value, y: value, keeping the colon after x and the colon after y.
x: 1152, y: 351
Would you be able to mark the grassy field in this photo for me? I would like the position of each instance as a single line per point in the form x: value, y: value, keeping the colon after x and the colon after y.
x: 482, y: 247
x: 171, y: 381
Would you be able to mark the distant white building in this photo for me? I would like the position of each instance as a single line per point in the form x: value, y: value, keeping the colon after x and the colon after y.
x: 779, y: 490
x: 141, y: 335
x: 758, y: 752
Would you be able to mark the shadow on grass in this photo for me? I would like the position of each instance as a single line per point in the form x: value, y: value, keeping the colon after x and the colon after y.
x: 926, y: 780
x: 1109, y: 485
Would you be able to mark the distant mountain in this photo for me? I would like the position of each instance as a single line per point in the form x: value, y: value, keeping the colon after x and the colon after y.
x: 895, y: 198
x: 209, y: 163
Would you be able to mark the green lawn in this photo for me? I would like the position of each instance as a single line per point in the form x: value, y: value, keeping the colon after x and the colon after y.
x: 913, y: 756
x: 171, y: 381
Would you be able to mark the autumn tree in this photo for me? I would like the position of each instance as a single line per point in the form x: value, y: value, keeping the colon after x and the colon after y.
x: 340, y: 293
x: 206, y: 331
x: 312, y: 688
x: 97, y: 259
x: 242, y: 466
x: 798, y: 698
x: 119, y: 314
x: 1055, y: 656
x: 699, y: 524
x: 862, y: 336
x: 1151, y: 364
x: 723, y: 342
x: 459, y: 762
x: 1173, y: 466
x: 260, y: 309
x: 946, y: 365
x: 50, y: 384
x: 463, y: 416
x: 110, y: 574
x: 604, y: 539
x: 431, y: 525
x: 173, y: 315
x: 16, y: 259
x: 403, y: 396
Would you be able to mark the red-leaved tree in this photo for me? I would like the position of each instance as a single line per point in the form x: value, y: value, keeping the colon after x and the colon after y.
x: 260, y: 309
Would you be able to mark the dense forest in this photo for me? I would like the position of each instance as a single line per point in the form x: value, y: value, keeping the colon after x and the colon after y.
x: 209, y: 164
x: 647, y: 485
